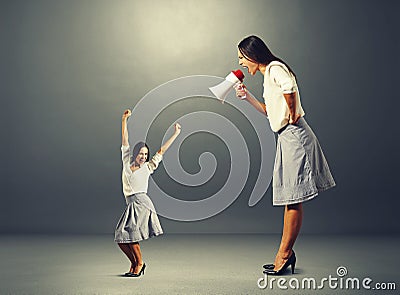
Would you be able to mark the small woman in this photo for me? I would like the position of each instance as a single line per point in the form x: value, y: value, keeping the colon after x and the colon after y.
x: 139, y: 220
x: 300, y: 170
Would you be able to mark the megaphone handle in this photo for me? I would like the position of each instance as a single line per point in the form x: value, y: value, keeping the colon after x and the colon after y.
x: 239, y: 86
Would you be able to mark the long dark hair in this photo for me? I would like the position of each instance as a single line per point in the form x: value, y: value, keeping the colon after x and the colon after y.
x: 136, y: 150
x: 255, y: 50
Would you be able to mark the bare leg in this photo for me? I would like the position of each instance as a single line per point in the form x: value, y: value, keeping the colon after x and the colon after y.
x: 293, y: 218
x: 127, y: 251
x: 135, y: 248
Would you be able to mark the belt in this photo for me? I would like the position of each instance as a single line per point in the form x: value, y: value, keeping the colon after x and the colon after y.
x: 282, y: 129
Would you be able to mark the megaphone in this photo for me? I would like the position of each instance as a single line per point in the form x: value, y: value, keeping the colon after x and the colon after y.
x: 222, y: 89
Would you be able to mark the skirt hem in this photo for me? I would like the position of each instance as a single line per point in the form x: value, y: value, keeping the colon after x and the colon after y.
x: 138, y: 240
x: 295, y: 201
x: 303, y: 198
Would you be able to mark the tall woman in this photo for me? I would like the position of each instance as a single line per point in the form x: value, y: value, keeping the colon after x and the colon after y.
x: 139, y: 220
x: 300, y: 170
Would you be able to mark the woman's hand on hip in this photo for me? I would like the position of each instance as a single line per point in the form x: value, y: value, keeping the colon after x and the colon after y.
x: 294, y: 119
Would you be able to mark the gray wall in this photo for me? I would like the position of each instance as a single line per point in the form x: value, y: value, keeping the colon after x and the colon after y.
x: 69, y: 68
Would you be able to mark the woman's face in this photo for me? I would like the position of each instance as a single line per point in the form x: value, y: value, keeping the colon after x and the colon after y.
x: 142, y: 156
x: 252, y: 67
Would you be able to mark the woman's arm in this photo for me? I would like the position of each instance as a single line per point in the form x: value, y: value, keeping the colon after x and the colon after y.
x: 127, y: 113
x: 168, y: 143
x: 291, y: 102
x: 259, y: 106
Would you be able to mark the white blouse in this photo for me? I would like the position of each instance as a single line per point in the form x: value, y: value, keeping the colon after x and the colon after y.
x: 278, y: 80
x: 136, y: 181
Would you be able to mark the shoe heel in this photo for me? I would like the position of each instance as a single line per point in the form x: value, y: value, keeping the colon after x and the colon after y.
x: 293, y: 265
x: 143, y: 268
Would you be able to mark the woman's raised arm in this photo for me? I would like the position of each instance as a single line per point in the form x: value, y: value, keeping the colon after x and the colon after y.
x: 127, y: 113
x: 168, y: 143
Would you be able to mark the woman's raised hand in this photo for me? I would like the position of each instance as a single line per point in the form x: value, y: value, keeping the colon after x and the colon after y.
x: 127, y: 113
x: 167, y: 144
x: 177, y: 127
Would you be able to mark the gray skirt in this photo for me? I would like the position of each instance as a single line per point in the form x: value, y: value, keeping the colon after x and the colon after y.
x: 139, y: 220
x: 300, y: 170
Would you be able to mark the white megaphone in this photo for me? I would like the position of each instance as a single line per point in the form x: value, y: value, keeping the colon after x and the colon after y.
x: 222, y: 89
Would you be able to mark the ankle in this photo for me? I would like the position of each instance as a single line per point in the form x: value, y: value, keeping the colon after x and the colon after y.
x: 284, y: 254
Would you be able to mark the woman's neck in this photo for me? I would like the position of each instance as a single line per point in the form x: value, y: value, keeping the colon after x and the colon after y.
x: 262, y: 68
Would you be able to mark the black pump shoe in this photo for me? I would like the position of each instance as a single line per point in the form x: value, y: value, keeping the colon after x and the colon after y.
x: 291, y: 261
x: 129, y: 273
x: 135, y: 275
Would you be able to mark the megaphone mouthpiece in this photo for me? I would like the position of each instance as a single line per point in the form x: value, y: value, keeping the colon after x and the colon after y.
x: 239, y: 74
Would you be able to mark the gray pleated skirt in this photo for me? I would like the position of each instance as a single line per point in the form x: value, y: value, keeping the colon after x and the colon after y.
x: 300, y: 170
x: 139, y: 220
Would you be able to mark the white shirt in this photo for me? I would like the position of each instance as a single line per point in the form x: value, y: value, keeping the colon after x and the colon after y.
x: 278, y: 80
x: 136, y: 181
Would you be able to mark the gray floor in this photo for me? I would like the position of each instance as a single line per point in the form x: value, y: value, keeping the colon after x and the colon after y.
x: 192, y: 264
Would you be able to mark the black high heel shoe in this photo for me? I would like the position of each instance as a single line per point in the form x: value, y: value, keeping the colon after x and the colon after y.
x: 135, y: 275
x: 129, y: 273
x: 291, y: 261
